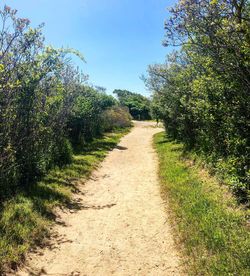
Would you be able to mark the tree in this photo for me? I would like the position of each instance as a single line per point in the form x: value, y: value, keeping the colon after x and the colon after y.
x: 44, y: 102
x: 203, y: 89
x: 138, y: 105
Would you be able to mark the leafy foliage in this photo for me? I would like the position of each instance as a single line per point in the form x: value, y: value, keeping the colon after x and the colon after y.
x: 116, y: 117
x: 86, y: 119
x: 45, y: 104
x: 50, y: 120
x: 203, y: 90
x: 138, y: 105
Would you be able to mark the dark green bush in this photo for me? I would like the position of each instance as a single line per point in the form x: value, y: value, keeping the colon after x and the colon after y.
x: 62, y: 152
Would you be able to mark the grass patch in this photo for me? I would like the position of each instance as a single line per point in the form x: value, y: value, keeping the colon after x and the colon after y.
x: 26, y: 218
x: 210, y: 225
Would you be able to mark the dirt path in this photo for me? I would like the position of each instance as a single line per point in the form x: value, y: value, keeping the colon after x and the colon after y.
x: 122, y: 227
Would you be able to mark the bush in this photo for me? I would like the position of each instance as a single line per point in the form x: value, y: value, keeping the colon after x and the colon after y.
x: 116, y: 117
x: 85, y: 121
x: 44, y: 104
x: 138, y: 105
x: 62, y: 152
x: 202, y: 91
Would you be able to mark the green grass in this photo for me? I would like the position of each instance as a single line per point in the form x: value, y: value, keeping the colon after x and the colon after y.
x: 211, y: 228
x: 26, y: 218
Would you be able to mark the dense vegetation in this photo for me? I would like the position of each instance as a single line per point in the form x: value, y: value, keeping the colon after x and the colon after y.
x: 138, y: 105
x: 209, y: 224
x: 45, y: 105
x: 25, y: 219
x: 202, y: 91
x: 52, y: 131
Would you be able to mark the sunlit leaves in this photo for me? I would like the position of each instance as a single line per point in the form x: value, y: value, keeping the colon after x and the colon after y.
x: 203, y: 92
x: 39, y: 88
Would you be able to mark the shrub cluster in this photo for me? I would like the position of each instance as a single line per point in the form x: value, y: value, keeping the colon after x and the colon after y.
x: 137, y: 104
x: 45, y: 105
x: 203, y: 90
x: 116, y: 117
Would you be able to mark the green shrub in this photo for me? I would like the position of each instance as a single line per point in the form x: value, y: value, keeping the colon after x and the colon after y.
x: 116, y: 117
x: 62, y: 152
x: 44, y: 104
x: 202, y: 90
x: 137, y: 104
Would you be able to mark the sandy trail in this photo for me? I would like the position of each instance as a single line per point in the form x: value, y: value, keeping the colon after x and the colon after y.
x: 122, y: 227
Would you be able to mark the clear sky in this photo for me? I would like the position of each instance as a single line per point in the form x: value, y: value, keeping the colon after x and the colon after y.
x: 118, y: 38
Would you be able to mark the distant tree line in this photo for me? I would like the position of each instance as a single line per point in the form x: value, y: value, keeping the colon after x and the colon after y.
x: 138, y: 105
x: 45, y: 105
x: 202, y: 91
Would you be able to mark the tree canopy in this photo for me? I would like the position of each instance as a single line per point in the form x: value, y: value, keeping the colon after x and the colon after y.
x: 203, y: 89
x: 46, y: 105
x: 138, y: 105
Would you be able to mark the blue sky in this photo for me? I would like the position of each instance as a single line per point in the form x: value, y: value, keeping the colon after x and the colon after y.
x: 118, y: 38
